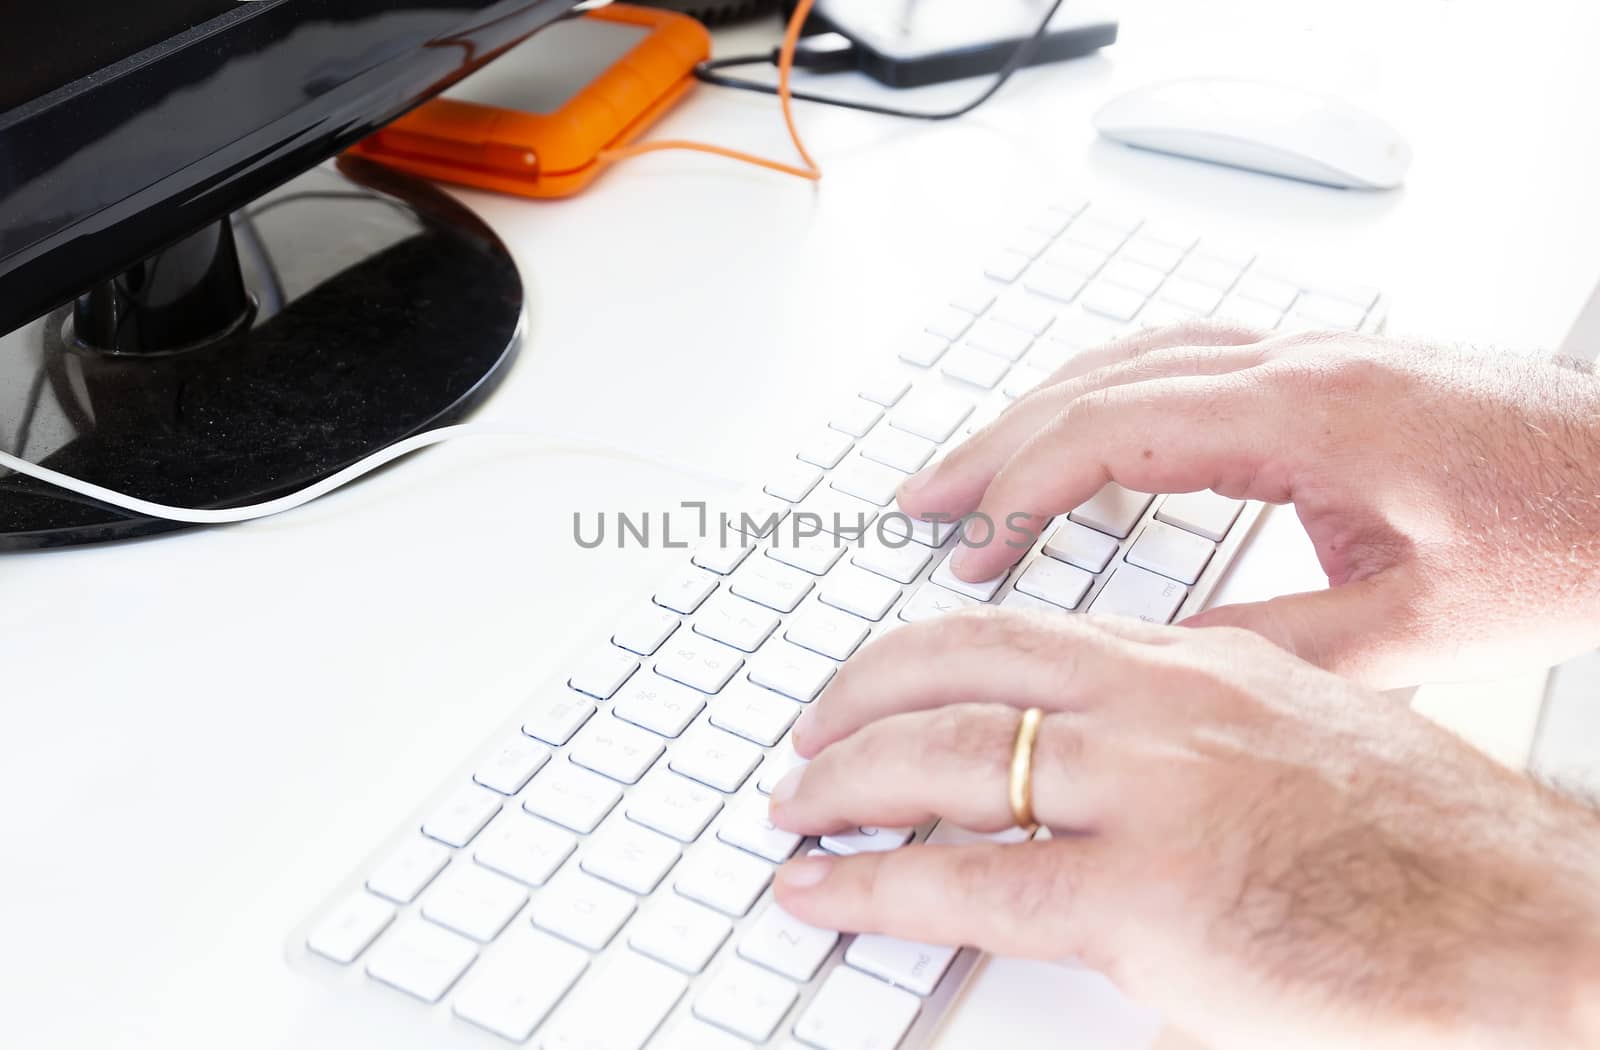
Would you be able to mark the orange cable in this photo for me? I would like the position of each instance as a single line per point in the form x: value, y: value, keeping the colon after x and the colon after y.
x: 810, y: 170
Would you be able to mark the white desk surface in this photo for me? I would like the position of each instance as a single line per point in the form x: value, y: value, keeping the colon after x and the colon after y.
x: 204, y: 732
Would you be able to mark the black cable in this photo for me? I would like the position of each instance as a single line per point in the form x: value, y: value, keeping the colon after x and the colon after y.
x: 707, y: 73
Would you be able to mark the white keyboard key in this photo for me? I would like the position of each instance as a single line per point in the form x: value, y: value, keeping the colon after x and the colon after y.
x: 1329, y: 311
x: 1061, y: 283
x: 473, y: 901
x: 866, y: 840
x: 658, y: 704
x: 678, y: 932
x: 836, y: 635
x: 734, y: 621
x: 756, y: 714
x: 884, y: 388
x: 1024, y: 312
x: 685, y: 591
x: 895, y: 448
x: 1161, y: 315
x: 514, y: 989
x: 508, y: 769
x: 1113, y: 510
x: 1172, y: 552
x: 648, y: 629
x: 779, y: 762
x: 462, y: 815
x: 1113, y: 218
x: 926, y: 533
x: 604, y: 672
x: 629, y: 855
x: 1083, y: 259
x: 1153, y: 252
x: 974, y: 298
x: 977, y: 367
x: 1112, y: 300
x: 421, y: 959
x: 896, y: 560
x: 582, y: 909
x: 1202, y: 513
x: 723, y: 878
x: 1249, y: 313
x: 1140, y: 594
x: 746, y: 1000
x: 947, y: 322
x: 714, y: 758
x: 555, y: 717
x: 810, y: 554
x: 1023, y: 380
x: 673, y: 805
x: 1268, y: 289
x: 1028, y: 603
x: 1006, y: 265
x: 698, y: 663
x: 1003, y: 340
x: 766, y: 582
x: 524, y: 847
x: 408, y: 870
x: 572, y: 797
x: 346, y: 931
x: 613, y: 748
x: 825, y: 449
x: 931, y: 414
x: 788, y: 669
x: 1088, y: 230
x: 856, y: 1012
x: 1209, y: 270
x: 747, y: 827
x: 982, y: 591
x: 923, y: 349
x: 1133, y: 276
x: 1051, y: 354
x: 759, y: 519
x: 591, y: 1020
x: 855, y: 417
x: 691, y: 1033
x: 832, y: 512
x: 1081, y: 546
x: 713, y: 556
x: 792, y: 482
x: 1029, y: 242
x: 1191, y: 295
x: 857, y: 591
x: 948, y: 834
x: 867, y: 480
x: 1055, y: 582
x: 931, y: 601
x: 784, y: 944
x: 917, y: 968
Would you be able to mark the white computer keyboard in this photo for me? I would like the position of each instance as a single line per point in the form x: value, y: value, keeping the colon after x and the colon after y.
x: 598, y: 877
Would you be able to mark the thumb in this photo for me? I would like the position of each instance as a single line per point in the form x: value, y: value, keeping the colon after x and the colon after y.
x: 1362, y: 630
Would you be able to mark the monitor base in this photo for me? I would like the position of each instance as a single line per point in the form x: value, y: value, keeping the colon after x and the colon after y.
x: 385, y: 309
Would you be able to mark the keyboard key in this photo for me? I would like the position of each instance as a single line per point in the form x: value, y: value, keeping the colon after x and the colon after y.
x: 1202, y: 299
x: 895, y: 448
x: 354, y: 923
x: 1089, y: 230
x: 834, y: 634
x: 927, y: 533
x: 685, y: 591
x: 1269, y: 290
x: 613, y: 748
x: 1055, y: 582
x: 582, y: 909
x: 866, y: 840
x: 1172, y: 552
x: 786, y: 945
x: 982, y: 592
x: 1003, y: 340
x: 779, y: 762
x: 678, y: 932
x: 408, y: 870
x: 766, y: 582
x: 917, y: 968
x: 1143, y: 595
x: 855, y: 417
x: 1028, y: 603
x: 1329, y: 311
x: 947, y: 322
x: 713, y: 556
x: 1082, y: 259
x: 1209, y: 270
x: 1113, y: 510
x: 974, y: 298
x: 745, y: 1000
x: 968, y: 365
x: 573, y: 797
x: 1029, y: 242
x: 1135, y: 277
x: 604, y: 672
x: 810, y: 554
x: 462, y: 815
x: 884, y: 388
x: 673, y: 805
x: 1081, y: 546
x: 759, y: 519
x: 867, y: 480
x: 554, y: 718
x: 1017, y: 309
x: 792, y: 482
x: 865, y: 594
x: 1023, y: 380
x: 1112, y: 300
x: 698, y: 663
x: 736, y: 622
x: 1147, y: 250
x: 723, y: 878
x: 473, y: 901
x: 825, y: 449
x: 514, y: 989
x: 923, y: 350
x: 591, y: 1020
x: 832, y: 512
x: 714, y: 758
x: 756, y: 714
x: 855, y: 1012
x: 1006, y: 266
x: 931, y: 601
x: 508, y: 769
x: 691, y: 1033
x: 631, y: 856
x: 788, y: 669
x: 421, y: 959
x: 649, y: 628
x: 1061, y: 283
x: 901, y: 561
x: 1249, y: 313
x: 658, y: 704
x: 1202, y: 513
x: 524, y: 848
x: 931, y: 414
x: 747, y: 827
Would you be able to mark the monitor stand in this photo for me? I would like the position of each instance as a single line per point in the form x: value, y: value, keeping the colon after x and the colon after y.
x: 345, y: 311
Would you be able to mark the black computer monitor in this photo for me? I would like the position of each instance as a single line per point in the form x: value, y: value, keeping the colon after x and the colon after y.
x: 193, y: 308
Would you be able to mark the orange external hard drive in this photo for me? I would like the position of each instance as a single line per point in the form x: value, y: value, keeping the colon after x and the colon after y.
x: 535, y: 120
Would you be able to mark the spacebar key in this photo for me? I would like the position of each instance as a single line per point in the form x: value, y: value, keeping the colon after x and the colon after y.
x: 619, y: 1008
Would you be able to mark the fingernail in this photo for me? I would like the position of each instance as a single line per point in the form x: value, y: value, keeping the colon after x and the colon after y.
x: 960, y: 559
x: 805, y: 873
x: 918, y: 481
x: 788, y: 786
x: 803, y: 727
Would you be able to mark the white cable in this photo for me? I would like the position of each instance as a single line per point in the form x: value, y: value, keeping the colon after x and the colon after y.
x: 196, y: 516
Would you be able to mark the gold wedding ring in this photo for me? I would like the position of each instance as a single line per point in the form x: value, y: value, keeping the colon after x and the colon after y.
x: 1021, y: 786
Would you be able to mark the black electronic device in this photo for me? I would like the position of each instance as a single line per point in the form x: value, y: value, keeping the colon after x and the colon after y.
x: 189, y: 312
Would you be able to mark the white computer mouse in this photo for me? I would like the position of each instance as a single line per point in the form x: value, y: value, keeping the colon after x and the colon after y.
x: 1264, y: 127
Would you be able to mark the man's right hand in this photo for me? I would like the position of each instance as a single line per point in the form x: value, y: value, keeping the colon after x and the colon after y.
x: 1453, y: 496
